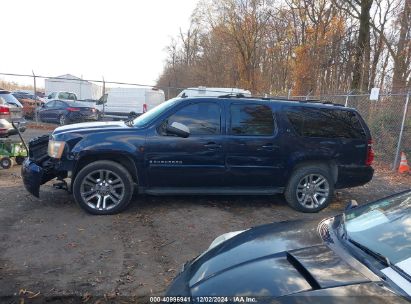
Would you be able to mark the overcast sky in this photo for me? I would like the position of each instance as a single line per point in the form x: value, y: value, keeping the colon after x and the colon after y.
x: 122, y: 40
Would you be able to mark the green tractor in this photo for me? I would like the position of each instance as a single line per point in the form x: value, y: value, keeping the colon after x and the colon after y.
x: 11, y: 151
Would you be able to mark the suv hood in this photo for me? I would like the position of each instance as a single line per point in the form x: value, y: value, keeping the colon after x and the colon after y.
x: 91, y: 126
x: 271, y: 260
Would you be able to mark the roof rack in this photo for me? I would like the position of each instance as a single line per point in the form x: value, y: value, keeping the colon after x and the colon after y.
x: 312, y: 101
x: 240, y: 95
x: 233, y: 95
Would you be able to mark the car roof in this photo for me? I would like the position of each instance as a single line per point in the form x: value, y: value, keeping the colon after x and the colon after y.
x: 73, y: 103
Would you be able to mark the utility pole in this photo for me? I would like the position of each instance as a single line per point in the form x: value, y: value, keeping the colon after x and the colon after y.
x: 35, y: 97
x: 102, y: 97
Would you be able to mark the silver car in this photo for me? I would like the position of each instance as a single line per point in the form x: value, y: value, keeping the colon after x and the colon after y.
x: 11, y: 110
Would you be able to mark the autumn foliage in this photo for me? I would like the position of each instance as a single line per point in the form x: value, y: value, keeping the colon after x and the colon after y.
x: 299, y: 46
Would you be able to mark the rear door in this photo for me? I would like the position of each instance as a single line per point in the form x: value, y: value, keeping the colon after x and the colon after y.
x: 45, y: 112
x: 196, y: 161
x: 59, y: 108
x: 254, y: 157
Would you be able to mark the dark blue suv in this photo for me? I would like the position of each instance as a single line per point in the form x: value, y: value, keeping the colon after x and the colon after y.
x: 218, y: 146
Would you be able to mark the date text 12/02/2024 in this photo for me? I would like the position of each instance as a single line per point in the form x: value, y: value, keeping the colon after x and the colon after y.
x: 203, y: 299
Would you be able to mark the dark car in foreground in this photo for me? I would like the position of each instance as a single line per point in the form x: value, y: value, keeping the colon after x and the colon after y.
x: 209, y: 146
x: 360, y: 256
x: 66, y: 112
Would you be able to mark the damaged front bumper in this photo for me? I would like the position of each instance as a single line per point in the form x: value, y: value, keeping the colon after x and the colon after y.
x: 32, y: 177
x: 38, y: 168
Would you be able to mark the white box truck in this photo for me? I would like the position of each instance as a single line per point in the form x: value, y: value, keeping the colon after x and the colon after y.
x: 123, y: 103
x: 70, y: 83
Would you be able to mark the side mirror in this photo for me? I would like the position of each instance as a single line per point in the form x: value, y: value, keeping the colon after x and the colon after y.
x: 178, y: 129
x: 351, y: 205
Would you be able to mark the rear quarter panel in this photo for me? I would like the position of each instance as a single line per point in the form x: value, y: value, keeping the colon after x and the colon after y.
x: 304, y: 149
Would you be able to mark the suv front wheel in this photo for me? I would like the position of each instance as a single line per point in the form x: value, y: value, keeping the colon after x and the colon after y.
x: 310, y: 188
x: 103, y: 187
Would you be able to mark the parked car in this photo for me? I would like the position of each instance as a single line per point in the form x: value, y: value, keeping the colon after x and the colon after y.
x: 126, y: 103
x: 11, y: 110
x: 360, y: 256
x: 30, y: 94
x: 65, y: 112
x: 240, y: 146
x: 29, y: 103
x: 62, y: 95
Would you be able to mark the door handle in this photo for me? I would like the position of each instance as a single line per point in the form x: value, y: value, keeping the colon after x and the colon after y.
x: 212, y: 146
x: 269, y: 147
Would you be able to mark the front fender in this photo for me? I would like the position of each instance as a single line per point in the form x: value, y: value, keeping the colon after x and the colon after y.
x: 84, y: 148
x: 127, y: 154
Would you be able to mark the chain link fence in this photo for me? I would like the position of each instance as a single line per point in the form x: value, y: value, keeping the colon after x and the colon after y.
x: 389, y: 117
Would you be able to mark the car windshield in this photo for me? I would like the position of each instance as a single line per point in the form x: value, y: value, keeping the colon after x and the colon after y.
x: 155, y: 112
x: 9, y: 99
x: 67, y: 95
x: 383, y: 227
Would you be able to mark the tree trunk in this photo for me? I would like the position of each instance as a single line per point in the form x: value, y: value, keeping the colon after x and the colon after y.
x: 359, y: 82
x: 399, y: 80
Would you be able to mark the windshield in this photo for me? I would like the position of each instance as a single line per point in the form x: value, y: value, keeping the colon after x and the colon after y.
x: 155, y: 112
x: 383, y: 227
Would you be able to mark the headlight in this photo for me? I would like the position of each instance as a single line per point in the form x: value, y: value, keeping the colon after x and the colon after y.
x: 56, y: 148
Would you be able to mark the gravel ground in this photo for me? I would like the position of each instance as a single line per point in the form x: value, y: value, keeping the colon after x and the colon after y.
x: 50, y: 247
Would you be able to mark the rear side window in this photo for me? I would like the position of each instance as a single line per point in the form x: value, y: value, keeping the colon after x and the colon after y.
x: 251, y: 120
x: 201, y: 118
x: 60, y: 104
x: 328, y: 123
x: 50, y: 104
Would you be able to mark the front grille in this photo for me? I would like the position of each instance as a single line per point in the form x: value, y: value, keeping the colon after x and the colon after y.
x: 38, y: 148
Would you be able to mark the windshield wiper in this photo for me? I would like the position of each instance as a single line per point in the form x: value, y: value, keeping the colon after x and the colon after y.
x: 371, y: 252
x: 386, y: 261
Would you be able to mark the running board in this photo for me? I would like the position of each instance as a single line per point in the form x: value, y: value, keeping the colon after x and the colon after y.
x: 210, y: 191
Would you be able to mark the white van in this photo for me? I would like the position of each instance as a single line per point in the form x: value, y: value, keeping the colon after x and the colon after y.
x: 123, y: 103
x: 212, y: 92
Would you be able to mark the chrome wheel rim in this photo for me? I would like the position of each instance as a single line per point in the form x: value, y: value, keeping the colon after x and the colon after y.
x: 312, y: 191
x: 102, y: 190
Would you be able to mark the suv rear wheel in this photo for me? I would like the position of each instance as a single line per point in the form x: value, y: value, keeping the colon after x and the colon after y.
x: 310, y: 188
x: 103, y: 187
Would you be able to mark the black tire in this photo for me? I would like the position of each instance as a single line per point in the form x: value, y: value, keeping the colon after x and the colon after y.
x: 6, y: 162
x: 293, y: 190
x: 20, y: 160
x: 108, y: 166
